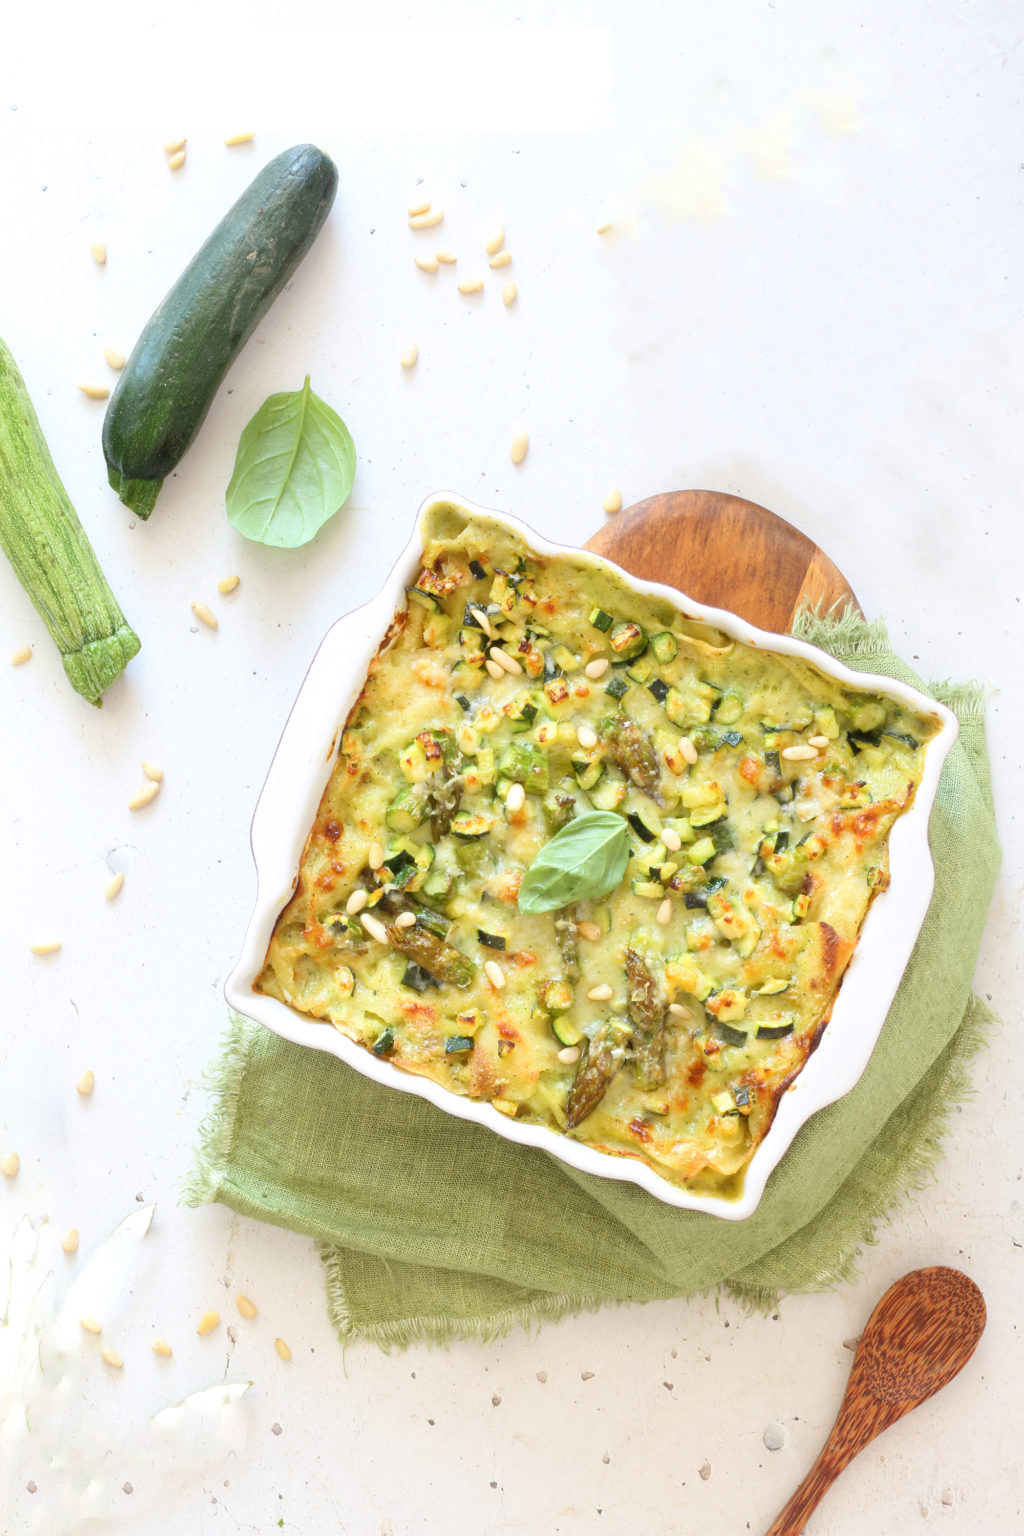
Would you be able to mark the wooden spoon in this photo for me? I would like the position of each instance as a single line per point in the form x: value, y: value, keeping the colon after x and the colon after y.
x: 726, y: 552
x: 921, y: 1334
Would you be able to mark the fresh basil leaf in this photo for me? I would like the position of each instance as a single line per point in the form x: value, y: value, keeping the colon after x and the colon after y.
x: 294, y: 468
x: 582, y: 862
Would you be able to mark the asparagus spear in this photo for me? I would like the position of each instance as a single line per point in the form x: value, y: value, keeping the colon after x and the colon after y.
x: 647, y: 1015
x: 599, y: 1063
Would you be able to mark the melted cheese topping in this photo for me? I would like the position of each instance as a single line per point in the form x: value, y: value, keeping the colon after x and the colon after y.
x: 759, y: 794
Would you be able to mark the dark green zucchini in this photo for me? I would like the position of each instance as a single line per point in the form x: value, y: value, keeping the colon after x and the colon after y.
x: 191, y: 340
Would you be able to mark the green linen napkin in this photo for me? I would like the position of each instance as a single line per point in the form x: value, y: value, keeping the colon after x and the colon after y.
x: 430, y: 1227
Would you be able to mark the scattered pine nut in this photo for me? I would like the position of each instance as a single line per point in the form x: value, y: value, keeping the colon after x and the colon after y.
x: 86, y: 1083
x: 172, y: 146
x: 673, y: 842
x: 688, y: 749
x: 409, y: 356
x: 45, y: 946
x: 515, y: 799
x: 207, y: 615
x: 227, y: 584
x: 426, y: 220
x: 821, y: 742
x: 161, y: 1347
x: 664, y: 912
x: 495, y: 671
x: 604, y: 227
x: 405, y: 920
x: 586, y: 737
x: 472, y: 285
x: 115, y: 359
x: 420, y: 205
x: 520, y: 443
x: 176, y: 162
x: 798, y: 754
x: 282, y: 1349
x: 10, y: 1165
x: 509, y: 292
x: 568, y: 1054
x: 356, y: 902
x: 495, y: 974
x: 483, y: 621
x: 23, y: 654
x: 375, y: 856
x: 245, y: 1306
x: 446, y: 257
x: 144, y: 795
x: 427, y: 263
x: 153, y: 771
x: 375, y: 928
x: 509, y: 663
x: 90, y: 1325
x: 612, y: 503
x: 600, y: 994
x: 591, y: 931
x: 679, y: 1012
x: 94, y: 391
x: 496, y: 241
x: 234, y: 139
x: 597, y: 668
x: 503, y: 259
x: 99, y: 253
x: 111, y: 1356
x: 70, y: 1243
x: 208, y: 1322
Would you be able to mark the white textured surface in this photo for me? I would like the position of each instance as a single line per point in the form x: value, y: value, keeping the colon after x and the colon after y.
x: 811, y: 298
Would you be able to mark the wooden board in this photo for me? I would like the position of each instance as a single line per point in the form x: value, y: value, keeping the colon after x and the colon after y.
x: 726, y: 552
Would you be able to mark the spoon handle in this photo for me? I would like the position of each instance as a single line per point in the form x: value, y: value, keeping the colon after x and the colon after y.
x: 858, y: 1422
x: 791, y: 1520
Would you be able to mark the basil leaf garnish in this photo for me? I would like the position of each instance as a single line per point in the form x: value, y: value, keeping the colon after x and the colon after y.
x: 294, y: 467
x: 582, y: 862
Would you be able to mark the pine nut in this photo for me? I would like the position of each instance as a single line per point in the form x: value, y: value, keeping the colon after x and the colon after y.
x: 176, y: 162
x: 446, y: 257
x: 597, y: 668
x: 510, y: 664
x: 208, y: 1322
x: 21, y: 656
x: 90, y: 1325
x: 206, y: 614
x: 99, y: 253
x: 111, y: 1356
x: 426, y: 220
x: 664, y: 912
x: 86, y: 1083
x: 420, y: 205
x: 520, y: 443
x: 10, y: 1165
x: 282, y: 1349
x: 586, y: 737
x: 45, y: 946
x: 604, y: 227
x: 356, y: 902
x: 94, y: 391
x: 568, y: 1054
x: 798, y: 754
x: 495, y: 974
x: 821, y: 742
x: 227, y: 584
x: 688, y: 749
x: 144, y: 795
x: 245, y: 1306
x: 472, y: 285
x: 234, y: 139
x: 409, y: 356
x: 171, y: 146
x: 375, y: 856
x: 161, y: 1347
x: 679, y: 1012
x: 509, y: 291
x: 515, y: 799
x: 427, y: 263
x: 375, y: 928
x: 496, y: 241
x: 600, y: 994
x: 483, y: 621
x: 405, y: 920
x: 70, y: 1243
x: 591, y: 931
x: 503, y: 259
x: 115, y: 359
x: 612, y: 503
x: 673, y: 842
x: 495, y: 671
x: 153, y: 771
